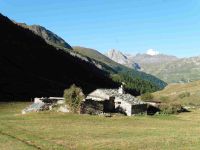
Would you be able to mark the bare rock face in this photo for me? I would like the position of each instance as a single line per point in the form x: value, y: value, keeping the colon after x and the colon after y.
x: 117, y: 56
x: 121, y: 58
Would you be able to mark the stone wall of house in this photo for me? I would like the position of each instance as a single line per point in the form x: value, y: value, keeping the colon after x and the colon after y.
x: 139, y: 109
x: 123, y: 107
x: 92, y: 107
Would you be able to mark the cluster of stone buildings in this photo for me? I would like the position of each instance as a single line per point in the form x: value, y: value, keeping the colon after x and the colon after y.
x: 99, y: 101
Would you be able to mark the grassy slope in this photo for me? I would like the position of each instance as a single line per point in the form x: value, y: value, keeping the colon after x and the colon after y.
x: 47, y: 130
x: 91, y: 53
x: 172, y: 93
x: 177, y: 71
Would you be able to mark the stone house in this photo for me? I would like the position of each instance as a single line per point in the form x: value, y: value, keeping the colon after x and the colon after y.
x: 112, y: 100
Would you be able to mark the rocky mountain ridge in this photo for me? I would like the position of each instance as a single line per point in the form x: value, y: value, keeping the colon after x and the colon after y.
x: 47, y: 35
x: 123, y: 59
x: 166, y: 67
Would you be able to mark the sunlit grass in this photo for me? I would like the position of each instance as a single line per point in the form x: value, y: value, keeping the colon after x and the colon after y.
x: 50, y: 130
x: 171, y: 94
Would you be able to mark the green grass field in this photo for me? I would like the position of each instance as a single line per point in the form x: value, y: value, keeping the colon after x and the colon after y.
x: 51, y: 130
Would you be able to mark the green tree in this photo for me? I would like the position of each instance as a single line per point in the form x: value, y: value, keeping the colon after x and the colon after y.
x: 135, y: 86
x: 73, y: 97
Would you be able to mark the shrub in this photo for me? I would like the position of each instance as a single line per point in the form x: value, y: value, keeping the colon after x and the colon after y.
x: 147, y: 96
x: 170, y: 108
x: 73, y: 97
x: 183, y: 95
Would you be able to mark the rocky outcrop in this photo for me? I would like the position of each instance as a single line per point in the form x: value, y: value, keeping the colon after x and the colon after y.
x: 47, y: 35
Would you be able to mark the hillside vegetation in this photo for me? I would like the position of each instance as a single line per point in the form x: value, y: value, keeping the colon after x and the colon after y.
x: 187, y: 94
x: 51, y: 130
x: 32, y: 68
x: 182, y: 70
x: 94, y: 54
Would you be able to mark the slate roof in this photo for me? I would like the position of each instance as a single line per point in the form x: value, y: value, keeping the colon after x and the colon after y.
x: 114, y: 93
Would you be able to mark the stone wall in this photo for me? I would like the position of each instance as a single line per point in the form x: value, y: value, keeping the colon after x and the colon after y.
x: 139, y: 109
x: 123, y: 107
x: 92, y: 107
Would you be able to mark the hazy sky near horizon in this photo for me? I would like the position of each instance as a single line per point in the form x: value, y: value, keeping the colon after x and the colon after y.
x: 131, y: 26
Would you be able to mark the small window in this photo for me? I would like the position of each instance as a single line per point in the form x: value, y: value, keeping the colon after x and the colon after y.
x: 118, y: 102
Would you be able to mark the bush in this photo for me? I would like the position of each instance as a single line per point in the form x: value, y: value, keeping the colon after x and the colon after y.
x: 170, y: 108
x: 73, y: 97
x: 183, y: 95
x: 147, y: 96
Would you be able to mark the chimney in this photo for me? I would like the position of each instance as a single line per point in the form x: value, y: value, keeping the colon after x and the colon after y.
x: 121, y: 90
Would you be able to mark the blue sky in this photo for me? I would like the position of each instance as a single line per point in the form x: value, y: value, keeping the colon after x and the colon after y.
x: 132, y: 26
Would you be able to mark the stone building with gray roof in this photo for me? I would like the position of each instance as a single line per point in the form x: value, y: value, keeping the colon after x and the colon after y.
x: 112, y: 100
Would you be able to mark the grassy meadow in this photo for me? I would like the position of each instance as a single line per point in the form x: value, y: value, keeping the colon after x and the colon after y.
x: 187, y: 94
x: 52, y: 130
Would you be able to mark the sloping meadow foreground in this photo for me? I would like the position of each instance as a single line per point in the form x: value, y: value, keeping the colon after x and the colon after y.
x: 52, y: 130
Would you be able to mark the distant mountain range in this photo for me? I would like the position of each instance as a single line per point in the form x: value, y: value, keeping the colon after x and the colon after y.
x: 168, y: 68
x: 118, y: 68
x: 99, y: 60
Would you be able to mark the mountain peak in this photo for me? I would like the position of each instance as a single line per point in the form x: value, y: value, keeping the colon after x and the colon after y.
x: 116, y: 52
x: 152, y: 52
x: 123, y: 59
x: 117, y: 56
